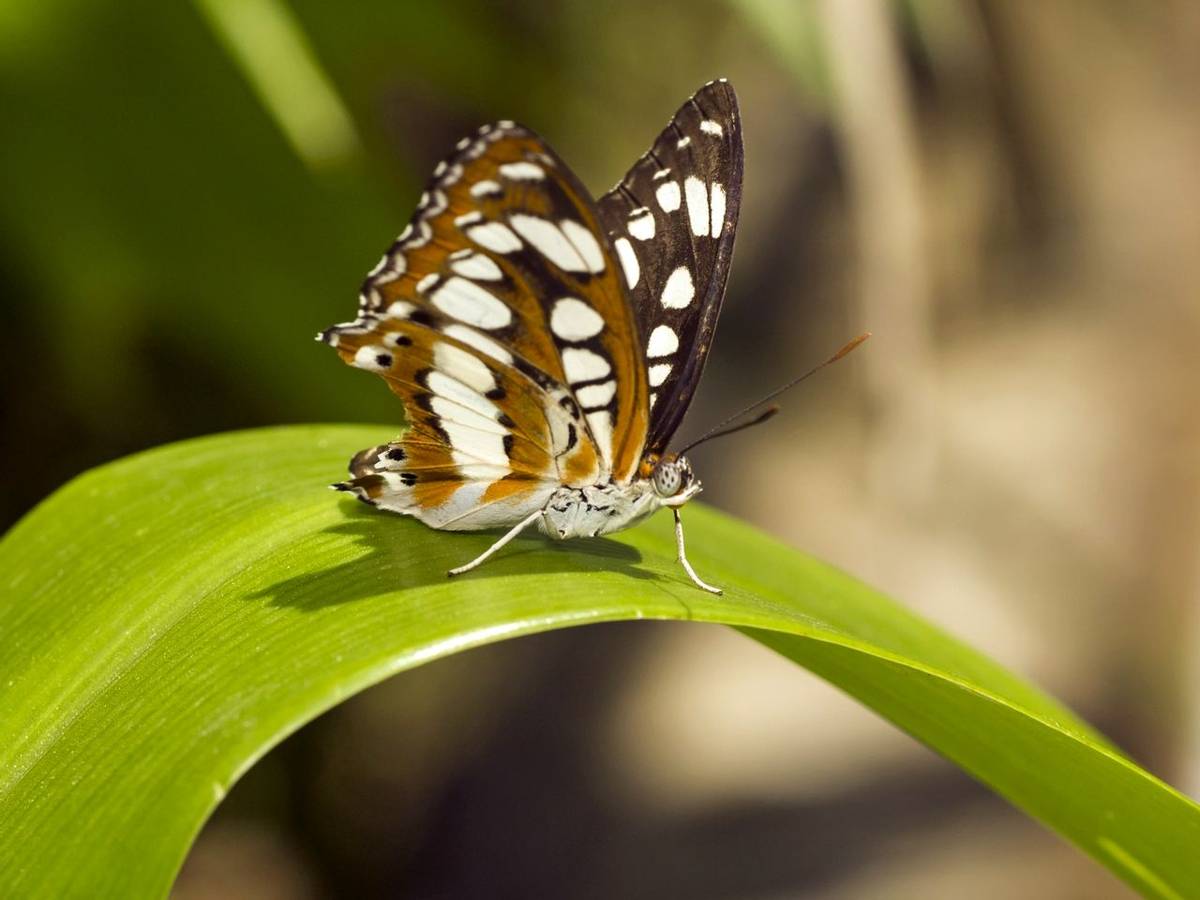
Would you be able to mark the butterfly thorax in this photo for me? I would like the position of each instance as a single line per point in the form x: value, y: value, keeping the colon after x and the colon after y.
x: 605, y: 508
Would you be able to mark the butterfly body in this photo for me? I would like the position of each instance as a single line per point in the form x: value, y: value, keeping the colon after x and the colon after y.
x: 606, y: 508
x: 545, y: 345
x: 598, y: 510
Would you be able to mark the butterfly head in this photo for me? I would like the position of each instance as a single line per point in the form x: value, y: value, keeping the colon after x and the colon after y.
x: 672, y: 478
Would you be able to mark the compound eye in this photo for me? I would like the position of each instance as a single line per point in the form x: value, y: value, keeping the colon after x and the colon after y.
x: 667, y: 480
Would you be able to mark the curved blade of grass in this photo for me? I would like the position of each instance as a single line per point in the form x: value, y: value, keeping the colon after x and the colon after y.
x: 168, y: 618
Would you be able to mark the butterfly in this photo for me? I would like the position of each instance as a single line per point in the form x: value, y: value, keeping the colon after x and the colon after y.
x: 546, y: 346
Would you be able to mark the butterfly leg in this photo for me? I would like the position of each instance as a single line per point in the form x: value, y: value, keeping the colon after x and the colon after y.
x: 687, y: 566
x: 513, y: 532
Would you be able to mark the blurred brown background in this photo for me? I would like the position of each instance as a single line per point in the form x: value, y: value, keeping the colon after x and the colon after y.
x: 1006, y: 193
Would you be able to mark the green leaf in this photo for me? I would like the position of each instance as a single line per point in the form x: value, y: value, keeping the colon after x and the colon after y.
x: 168, y: 618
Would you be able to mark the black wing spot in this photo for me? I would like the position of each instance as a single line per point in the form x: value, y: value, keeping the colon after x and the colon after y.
x: 508, y: 445
x: 569, y: 404
x: 409, y: 478
x: 396, y: 453
x: 421, y: 317
x: 536, y: 375
x: 402, y: 340
x: 496, y: 393
x: 572, y: 436
x: 384, y: 360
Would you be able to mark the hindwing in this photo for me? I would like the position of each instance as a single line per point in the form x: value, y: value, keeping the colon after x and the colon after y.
x: 483, y: 441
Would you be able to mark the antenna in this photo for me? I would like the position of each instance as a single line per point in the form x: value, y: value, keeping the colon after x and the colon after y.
x: 720, y: 429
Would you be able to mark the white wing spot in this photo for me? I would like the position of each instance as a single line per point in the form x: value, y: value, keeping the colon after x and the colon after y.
x: 658, y: 374
x: 485, y: 187
x: 472, y: 445
x: 600, y: 423
x: 427, y: 282
x: 548, y: 239
x: 584, y: 365
x: 469, y: 218
x: 629, y: 261
x: 653, y: 400
x: 448, y: 410
x: 708, y: 126
x: 479, y: 341
x: 393, y: 481
x: 682, y: 142
x: 522, y: 170
x: 587, y: 245
x: 397, y: 266
x: 668, y: 196
x: 495, y: 237
x: 574, y: 320
x: 400, y: 309
x: 373, y: 358
x: 679, y: 291
x: 642, y: 228
x: 437, y: 206
x: 452, y: 389
x: 460, y: 364
x: 697, y: 204
x: 663, y: 342
x: 595, y: 395
x: 661, y: 174
x: 477, y: 266
x: 420, y: 239
x: 718, y: 208
x: 468, y: 302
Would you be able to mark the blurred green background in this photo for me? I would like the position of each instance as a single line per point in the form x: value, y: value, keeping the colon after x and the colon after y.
x: 1006, y: 193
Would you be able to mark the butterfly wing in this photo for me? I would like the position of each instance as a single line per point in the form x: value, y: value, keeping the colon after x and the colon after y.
x: 480, y: 449
x: 672, y: 220
x: 500, y: 319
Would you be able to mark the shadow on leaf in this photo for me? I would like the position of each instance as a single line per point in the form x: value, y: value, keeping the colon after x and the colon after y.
x: 393, y: 561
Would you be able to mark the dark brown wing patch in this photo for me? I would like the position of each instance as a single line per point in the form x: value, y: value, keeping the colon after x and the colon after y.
x: 672, y: 220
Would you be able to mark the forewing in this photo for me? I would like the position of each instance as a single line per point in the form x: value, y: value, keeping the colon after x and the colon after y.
x: 672, y: 220
x: 506, y: 254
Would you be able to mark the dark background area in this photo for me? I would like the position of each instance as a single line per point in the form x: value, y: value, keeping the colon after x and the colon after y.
x: 1005, y: 193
